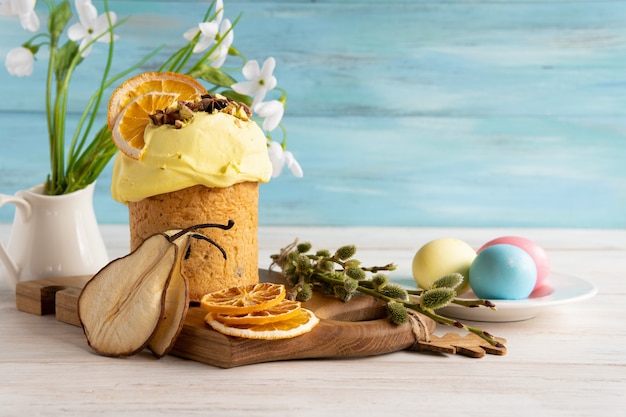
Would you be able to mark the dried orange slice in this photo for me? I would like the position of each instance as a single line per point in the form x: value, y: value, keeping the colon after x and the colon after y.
x: 128, y: 131
x: 302, y: 323
x: 185, y: 86
x: 244, y: 299
x: 284, y: 310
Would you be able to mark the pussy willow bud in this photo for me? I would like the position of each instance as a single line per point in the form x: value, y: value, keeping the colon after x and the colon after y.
x: 437, y: 298
x: 397, y: 312
x: 449, y: 281
x: 345, y: 252
x: 342, y: 294
x: 292, y: 279
x: 395, y: 291
x: 379, y: 281
x: 303, y: 263
x: 355, y: 273
x: 328, y: 289
x: 305, y: 292
x: 304, y: 247
x: 292, y: 257
x: 338, y: 276
x: 350, y: 285
x: 326, y: 265
x: 352, y: 263
x: 323, y: 252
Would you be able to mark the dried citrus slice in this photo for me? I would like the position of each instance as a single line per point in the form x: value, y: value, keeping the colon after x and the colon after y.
x: 128, y: 132
x: 302, y: 323
x: 244, y: 299
x: 284, y: 310
x: 185, y: 86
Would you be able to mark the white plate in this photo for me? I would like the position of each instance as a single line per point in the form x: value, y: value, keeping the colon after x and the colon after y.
x: 560, y: 289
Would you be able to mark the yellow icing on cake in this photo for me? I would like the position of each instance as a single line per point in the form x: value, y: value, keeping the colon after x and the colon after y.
x: 214, y: 150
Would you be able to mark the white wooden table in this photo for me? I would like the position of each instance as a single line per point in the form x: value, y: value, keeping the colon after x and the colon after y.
x: 568, y: 361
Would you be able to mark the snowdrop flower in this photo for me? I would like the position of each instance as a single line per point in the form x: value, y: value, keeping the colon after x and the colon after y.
x: 91, y: 26
x: 260, y: 81
x: 208, y: 30
x: 24, y: 9
x: 20, y: 61
x: 273, y: 111
x: 218, y: 57
x: 280, y: 157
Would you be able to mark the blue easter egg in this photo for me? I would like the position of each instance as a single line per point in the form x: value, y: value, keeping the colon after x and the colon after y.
x: 503, y: 272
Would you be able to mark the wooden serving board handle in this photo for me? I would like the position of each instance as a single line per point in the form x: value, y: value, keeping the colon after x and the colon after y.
x: 356, y: 328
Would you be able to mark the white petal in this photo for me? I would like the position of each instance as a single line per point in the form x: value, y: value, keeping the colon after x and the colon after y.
x: 293, y: 165
x: 273, y: 121
x: 245, y: 87
x: 269, y: 83
x: 83, y: 44
x: 251, y: 70
x: 19, y: 62
x: 30, y: 21
x: 273, y: 112
x: 218, y: 57
x: 259, y: 94
x: 202, y: 44
x: 209, y: 29
x: 266, y: 73
x: 6, y: 9
x: 191, y: 33
x: 76, y: 32
x: 268, y: 67
x: 219, y: 8
x: 87, y: 12
x: 23, y: 7
x: 275, y: 152
x: 101, y: 26
x: 225, y: 27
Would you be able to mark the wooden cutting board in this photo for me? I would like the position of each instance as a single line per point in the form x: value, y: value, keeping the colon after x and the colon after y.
x: 353, y: 329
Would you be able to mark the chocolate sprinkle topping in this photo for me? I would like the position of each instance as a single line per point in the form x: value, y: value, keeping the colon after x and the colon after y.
x: 177, y: 115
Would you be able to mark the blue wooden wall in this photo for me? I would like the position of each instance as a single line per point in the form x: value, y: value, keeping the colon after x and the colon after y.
x: 402, y: 113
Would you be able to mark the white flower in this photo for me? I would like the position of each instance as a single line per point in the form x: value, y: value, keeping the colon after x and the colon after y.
x: 280, y: 157
x: 24, y: 9
x: 20, y: 61
x: 208, y: 30
x: 219, y: 8
x: 91, y: 26
x: 273, y: 111
x: 218, y: 57
x: 260, y: 80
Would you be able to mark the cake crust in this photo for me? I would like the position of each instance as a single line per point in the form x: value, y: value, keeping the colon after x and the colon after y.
x: 205, y: 269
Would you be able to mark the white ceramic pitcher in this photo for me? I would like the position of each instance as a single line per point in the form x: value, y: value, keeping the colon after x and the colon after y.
x: 52, y: 236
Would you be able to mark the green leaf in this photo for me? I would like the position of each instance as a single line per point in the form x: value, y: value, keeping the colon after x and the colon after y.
x: 64, y: 58
x: 59, y: 16
x: 213, y: 75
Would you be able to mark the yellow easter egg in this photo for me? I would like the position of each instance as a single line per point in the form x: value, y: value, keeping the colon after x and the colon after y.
x: 441, y: 257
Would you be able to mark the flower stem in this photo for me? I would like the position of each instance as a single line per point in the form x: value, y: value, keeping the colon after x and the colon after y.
x: 92, y: 108
x: 52, y: 138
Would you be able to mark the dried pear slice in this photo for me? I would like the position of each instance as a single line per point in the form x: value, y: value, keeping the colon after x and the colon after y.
x: 175, y: 308
x: 122, y: 305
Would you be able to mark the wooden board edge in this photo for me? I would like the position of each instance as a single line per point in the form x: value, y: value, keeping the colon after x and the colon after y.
x: 50, y: 296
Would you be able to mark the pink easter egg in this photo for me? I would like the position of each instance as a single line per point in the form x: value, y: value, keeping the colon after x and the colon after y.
x: 536, y: 252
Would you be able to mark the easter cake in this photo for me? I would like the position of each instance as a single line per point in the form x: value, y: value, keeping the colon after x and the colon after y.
x: 187, y: 158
